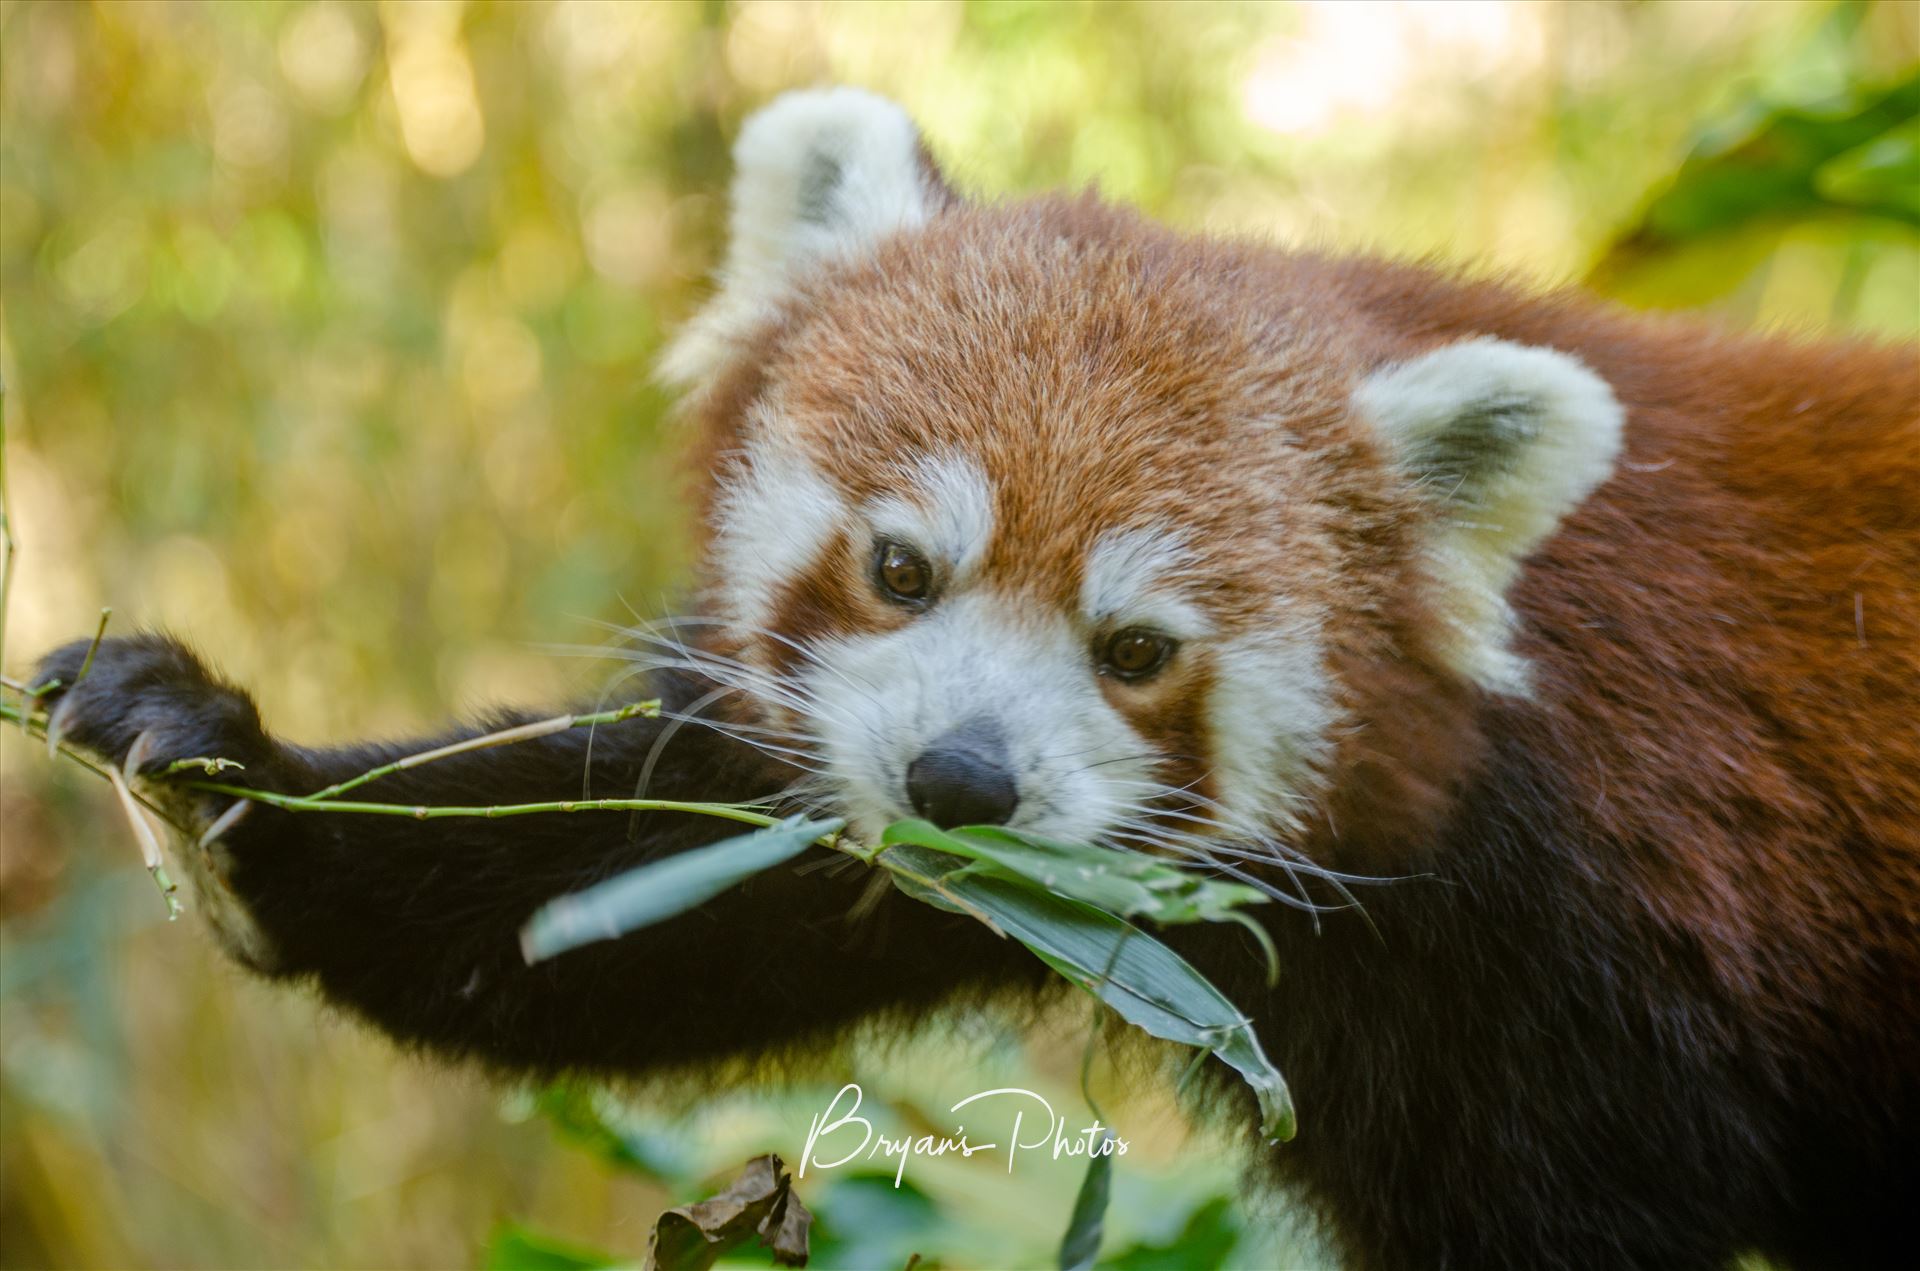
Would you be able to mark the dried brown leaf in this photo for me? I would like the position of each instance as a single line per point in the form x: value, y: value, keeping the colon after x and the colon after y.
x: 758, y: 1202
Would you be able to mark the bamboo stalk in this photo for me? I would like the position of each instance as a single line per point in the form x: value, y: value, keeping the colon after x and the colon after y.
x: 99, y: 634
x: 149, y: 843
x: 432, y: 812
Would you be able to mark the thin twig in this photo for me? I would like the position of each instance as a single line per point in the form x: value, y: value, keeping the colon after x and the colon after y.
x: 211, y: 767
x: 149, y: 842
x: 99, y: 634
x: 432, y: 812
x: 36, y: 727
x: 506, y: 736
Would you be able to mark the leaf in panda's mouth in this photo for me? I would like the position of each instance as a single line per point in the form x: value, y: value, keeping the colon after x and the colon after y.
x: 1125, y: 883
x: 1150, y: 985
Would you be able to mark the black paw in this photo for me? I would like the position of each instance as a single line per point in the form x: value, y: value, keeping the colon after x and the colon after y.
x: 150, y: 691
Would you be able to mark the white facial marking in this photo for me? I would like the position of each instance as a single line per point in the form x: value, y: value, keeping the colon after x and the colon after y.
x: 1076, y: 762
x: 949, y: 515
x: 1133, y: 578
x: 774, y: 518
x: 1272, y: 718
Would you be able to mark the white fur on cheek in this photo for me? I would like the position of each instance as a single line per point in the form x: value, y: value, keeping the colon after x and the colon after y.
x: 1272, y: 716
x: 951, y: 516
x: 773, y: 520
x: 1517, y: 437
x: 819, y: 176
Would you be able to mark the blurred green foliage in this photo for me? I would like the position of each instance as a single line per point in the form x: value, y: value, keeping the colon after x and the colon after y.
x: 327, y: 328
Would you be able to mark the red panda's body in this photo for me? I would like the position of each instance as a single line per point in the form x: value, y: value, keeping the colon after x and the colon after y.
x: 1691, y: 857
x: 1697, y: 846
x: 1599, y: 633
x: 1675, y: 892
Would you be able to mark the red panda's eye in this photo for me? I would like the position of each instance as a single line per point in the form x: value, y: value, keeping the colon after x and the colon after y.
x: 902, y: 573
x: 1134, y: 654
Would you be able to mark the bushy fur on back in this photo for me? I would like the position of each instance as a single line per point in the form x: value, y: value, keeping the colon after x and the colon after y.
x: 1599, y: 632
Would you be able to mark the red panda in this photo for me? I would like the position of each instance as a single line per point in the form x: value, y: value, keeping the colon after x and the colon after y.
x: 1598, y: 633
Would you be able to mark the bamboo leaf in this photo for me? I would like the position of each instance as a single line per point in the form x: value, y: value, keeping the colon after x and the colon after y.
x: 1150, y: 985
x: 1085, y: 1229
x: 1885, y: 172
x: 1771, y: 164
x: 1130, y: 884
x: 657, y: 891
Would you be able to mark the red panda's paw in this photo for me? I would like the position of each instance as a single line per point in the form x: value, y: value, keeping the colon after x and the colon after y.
x: 146, y: 705
x: 147, y: 698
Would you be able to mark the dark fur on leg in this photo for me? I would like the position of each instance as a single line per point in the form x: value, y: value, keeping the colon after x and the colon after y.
x: 414, y: 924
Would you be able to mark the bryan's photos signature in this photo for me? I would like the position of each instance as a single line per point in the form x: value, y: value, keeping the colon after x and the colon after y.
x: 841, y: 1136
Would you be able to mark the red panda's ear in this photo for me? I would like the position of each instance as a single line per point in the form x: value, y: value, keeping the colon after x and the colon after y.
x: 1506, y: 439
x: 819, y: 176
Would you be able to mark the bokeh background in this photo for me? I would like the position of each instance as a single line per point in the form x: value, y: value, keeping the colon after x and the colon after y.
x: 326, y: 330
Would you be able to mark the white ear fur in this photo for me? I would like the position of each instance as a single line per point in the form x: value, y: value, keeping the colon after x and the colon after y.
x: 819, y: 175
x: 1510, y: 438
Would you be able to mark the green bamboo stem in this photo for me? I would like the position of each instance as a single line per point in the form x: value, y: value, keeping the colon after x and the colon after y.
x: 150, y: 853
x: 433, y: 812
x: 99, y: 634
x: 325, y: 800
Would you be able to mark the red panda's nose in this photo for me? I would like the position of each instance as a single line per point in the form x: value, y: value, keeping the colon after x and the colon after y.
x: 962, y: 778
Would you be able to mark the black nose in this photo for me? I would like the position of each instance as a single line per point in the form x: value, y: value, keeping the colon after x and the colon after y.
x: 962, y: 779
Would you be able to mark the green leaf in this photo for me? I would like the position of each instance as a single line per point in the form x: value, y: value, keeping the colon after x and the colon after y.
x: 1203, y: 1244
x: 579, y: 1114
x: 866, y: 1220
x: 1150, y: 985
x: 1129, y: 884
x: 1774, y: 163
x: 1081, y: 1245
x: 1883, y: 173
x: 657, y: 891
x: 515, y: 1248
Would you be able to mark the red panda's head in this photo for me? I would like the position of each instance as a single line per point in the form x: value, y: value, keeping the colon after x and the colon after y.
x: 1036, y: 513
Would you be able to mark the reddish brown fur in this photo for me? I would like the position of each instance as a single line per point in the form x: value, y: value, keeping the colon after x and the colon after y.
x: 1169, y: 713
x: 833, y: 598
x: 1694, y: 628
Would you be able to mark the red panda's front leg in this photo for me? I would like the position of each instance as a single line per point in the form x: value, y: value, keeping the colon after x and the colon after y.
x: 413, y: 924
